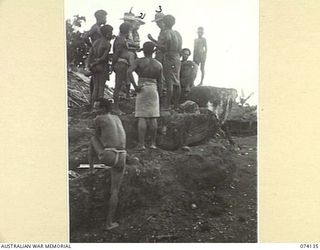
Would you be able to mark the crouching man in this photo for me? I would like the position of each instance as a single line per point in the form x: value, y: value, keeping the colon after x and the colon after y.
x: 108, y: 145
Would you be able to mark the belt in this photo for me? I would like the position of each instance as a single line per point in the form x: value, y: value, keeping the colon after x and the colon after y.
x: 123, y: 60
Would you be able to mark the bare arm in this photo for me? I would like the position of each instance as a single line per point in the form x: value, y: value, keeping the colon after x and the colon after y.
x: 152, y: 39
x: 160, y: 81
x: 97, y: 127
x: 104, y: 56
x: 89, y: 60
x: 88, y: 34
x: 118, y: 47
x: 205, y: 46
x: 130, y: 74
x: 161, y: 43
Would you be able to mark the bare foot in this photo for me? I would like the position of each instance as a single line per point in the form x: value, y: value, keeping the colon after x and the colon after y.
x: 186, y: 148
x: 153, y: 146
x: 112, y: 225
x: 140, y: 147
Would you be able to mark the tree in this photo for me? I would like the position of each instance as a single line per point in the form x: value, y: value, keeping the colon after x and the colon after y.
x: 77, y: 50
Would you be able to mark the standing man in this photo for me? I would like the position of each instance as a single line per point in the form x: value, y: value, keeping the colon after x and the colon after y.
x: 149, y: 86
x: 108, y: 145
x: 94, y: 34
x: 188, y: 74
x: 120, y: 62
x: 171, y: 44
x: 133, y: 40
x: 158, y: 18
x: 98, y: 62
x: 200, y: 52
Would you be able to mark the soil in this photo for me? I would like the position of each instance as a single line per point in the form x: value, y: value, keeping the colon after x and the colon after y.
x: 207, y: 194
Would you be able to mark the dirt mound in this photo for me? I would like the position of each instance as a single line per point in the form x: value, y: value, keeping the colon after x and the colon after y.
x: 164, y: 194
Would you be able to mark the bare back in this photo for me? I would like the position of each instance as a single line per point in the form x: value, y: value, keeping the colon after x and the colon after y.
x: 148, y: 68
x: 110, y: 131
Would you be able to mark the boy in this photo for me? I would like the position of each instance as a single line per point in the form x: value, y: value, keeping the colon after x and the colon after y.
x: 200, y: 52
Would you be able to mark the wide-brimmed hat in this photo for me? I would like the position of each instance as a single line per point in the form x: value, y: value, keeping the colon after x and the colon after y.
x: 158, y: 17
x: 130, y: 17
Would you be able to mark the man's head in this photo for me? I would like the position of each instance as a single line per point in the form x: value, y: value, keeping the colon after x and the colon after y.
x: 158, y: 18
x: 101, y: 16
x: 106, y: 31
x: 169, y: 21
x: 125, y: 28
x: 200, y: 31
x: 105, y: 105
x: 185, y: 54
x: 148, y: 48
x: 136, y: 24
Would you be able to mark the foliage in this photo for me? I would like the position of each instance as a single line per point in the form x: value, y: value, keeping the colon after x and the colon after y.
x: 77, y: 50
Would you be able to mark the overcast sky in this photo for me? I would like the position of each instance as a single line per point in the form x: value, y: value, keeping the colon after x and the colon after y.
x: 231, y: 29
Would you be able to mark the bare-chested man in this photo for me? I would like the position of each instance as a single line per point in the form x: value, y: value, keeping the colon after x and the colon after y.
x: 158, y: 19
x: 108, y: 145
x: 120, y: 62
x: 171, y: 45
x: 98, y: 62
x: 188, y: 74
x: 149, y: 86
x: 94, y: 34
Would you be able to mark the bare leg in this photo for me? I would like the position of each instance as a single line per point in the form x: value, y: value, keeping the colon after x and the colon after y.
x: 142, y: 129
x: 153, y: 131
x: 176, y: 95
x: 202, y: 72
x: 169, y: 95
x: 116, y: 91
x: 91, y: 154
x: 91, y: 89
x: 116, y: 178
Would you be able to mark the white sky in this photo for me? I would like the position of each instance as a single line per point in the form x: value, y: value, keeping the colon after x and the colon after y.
x: 231, y: 29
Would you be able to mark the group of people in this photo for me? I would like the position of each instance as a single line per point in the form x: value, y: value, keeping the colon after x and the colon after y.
x: 162, y: 79
x: 178, y: 76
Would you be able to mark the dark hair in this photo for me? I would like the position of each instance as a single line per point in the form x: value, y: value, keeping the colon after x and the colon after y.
x: 106, y: 104
x: 186, y: 49
x: 201, y: 28
x: 169, y: 21
x: 100, y: 13
x: 125, y: 28
x: 106, y: 29
x: 148, y: 48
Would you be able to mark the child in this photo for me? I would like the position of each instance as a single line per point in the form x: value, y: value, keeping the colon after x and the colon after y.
x: 200, y: 52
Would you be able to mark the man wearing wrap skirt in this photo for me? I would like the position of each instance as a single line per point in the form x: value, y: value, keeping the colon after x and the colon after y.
x: 149, y: 86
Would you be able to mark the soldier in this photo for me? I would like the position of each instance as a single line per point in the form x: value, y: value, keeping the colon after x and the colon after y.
x: 158, y: 19
x: 171, y: 44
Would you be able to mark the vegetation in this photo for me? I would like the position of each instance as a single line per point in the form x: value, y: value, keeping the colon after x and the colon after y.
x: 77, y: 50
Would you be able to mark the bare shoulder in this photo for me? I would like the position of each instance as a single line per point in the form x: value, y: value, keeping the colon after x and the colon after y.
x: 140, y: 60
x: 157, y: 63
